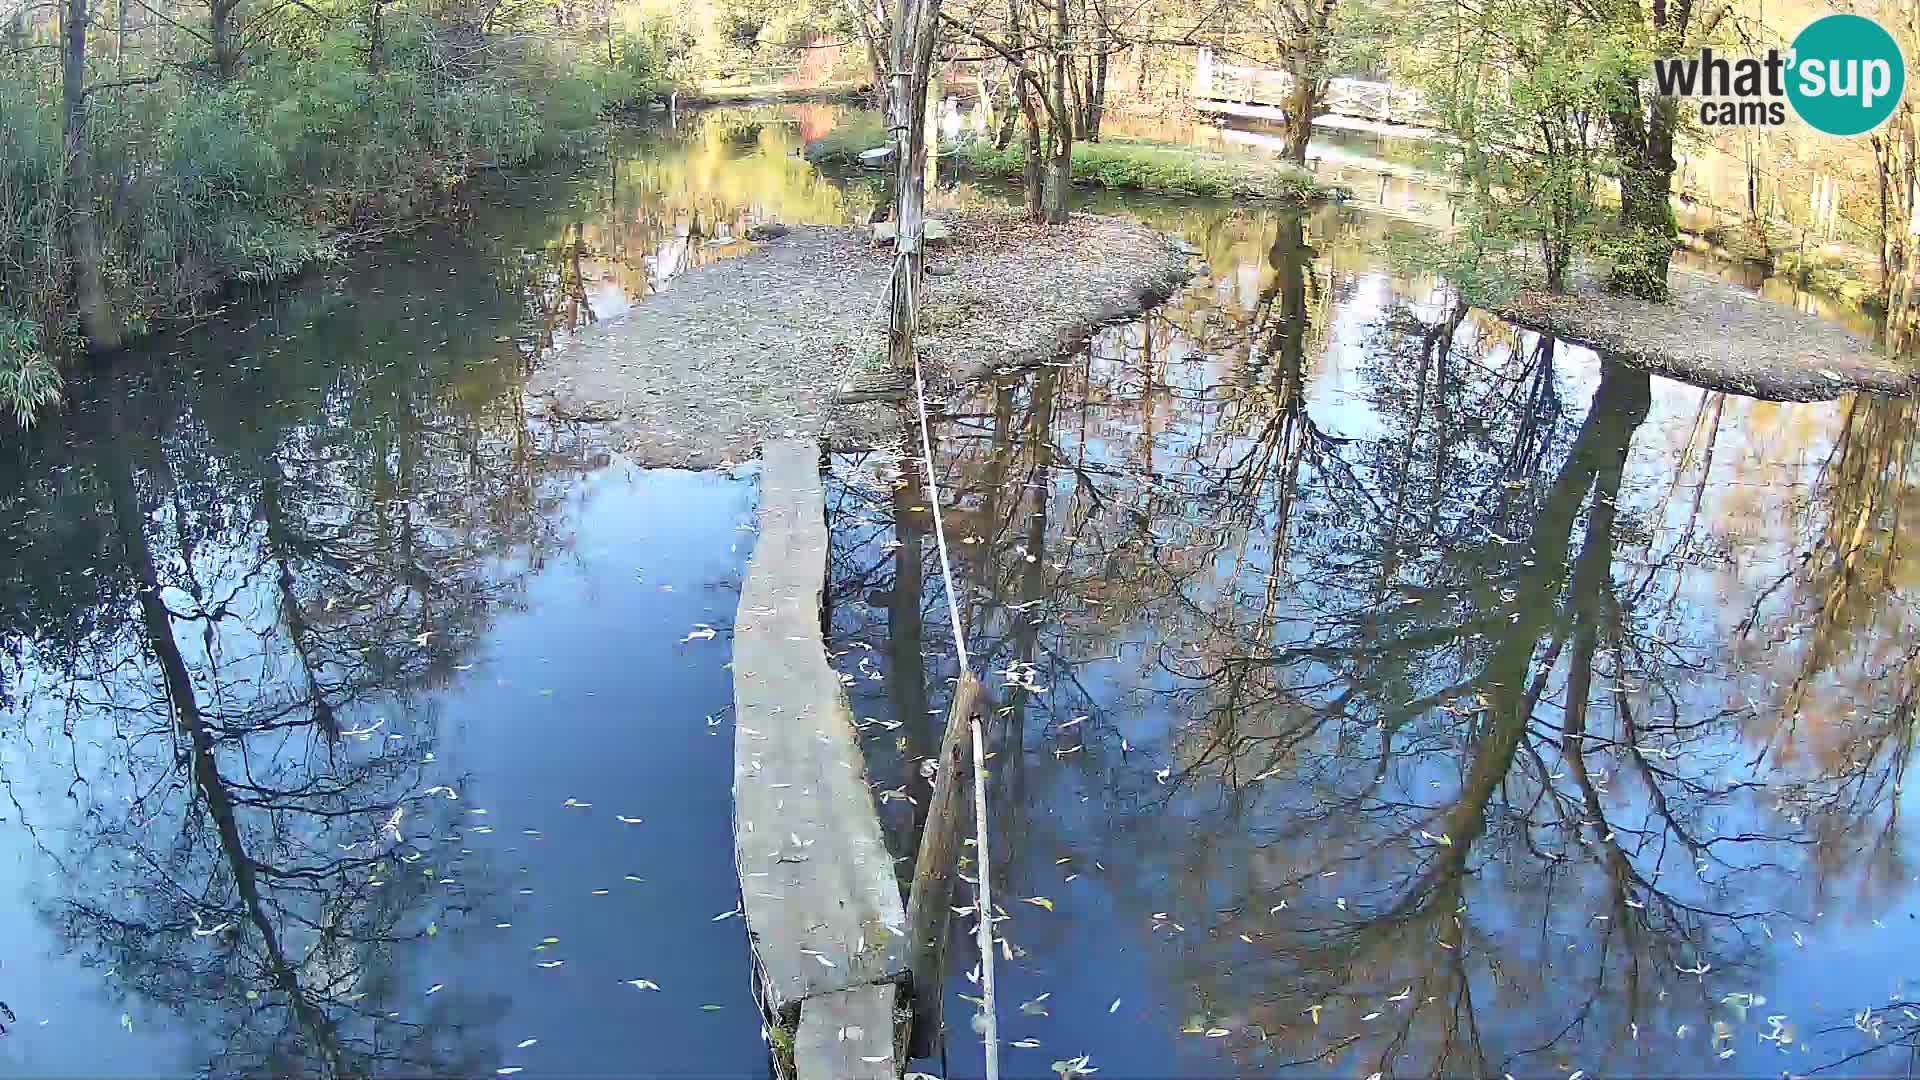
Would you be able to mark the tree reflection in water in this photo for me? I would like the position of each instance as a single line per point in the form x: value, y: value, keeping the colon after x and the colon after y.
x: 1421, y: 695
x: 255, y: 840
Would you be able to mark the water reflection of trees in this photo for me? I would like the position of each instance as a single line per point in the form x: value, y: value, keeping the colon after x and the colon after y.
x: 235, y: 586
x: 1415, y: 625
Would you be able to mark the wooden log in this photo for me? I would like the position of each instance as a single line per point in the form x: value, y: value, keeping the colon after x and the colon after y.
x: 930, y: 899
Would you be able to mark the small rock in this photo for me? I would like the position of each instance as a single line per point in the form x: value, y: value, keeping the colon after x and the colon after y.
x: 767, y: 232
x: 931, y: 230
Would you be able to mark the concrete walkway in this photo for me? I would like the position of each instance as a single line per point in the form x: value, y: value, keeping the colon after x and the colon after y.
x: 822, y: 905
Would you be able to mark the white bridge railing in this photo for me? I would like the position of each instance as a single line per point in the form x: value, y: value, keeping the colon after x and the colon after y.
x: 1252, y: 91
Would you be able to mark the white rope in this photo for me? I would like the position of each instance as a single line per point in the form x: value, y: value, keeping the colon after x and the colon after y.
x: 990, y: 1031
x: 985, y: 926
x: 939, y: 530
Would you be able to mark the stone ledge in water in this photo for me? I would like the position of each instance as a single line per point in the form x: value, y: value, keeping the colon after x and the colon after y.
x: 1717, y: 336
x: 766, y: 344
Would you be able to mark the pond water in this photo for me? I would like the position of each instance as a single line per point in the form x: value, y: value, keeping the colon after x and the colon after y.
x: 1379, y: 688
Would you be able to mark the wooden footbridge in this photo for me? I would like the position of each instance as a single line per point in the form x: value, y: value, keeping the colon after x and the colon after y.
x: 1266, y: 93
x: 822, y: 905
x: 849, y: 979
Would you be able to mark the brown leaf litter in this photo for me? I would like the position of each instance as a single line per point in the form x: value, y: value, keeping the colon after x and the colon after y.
x: 1718, y: 336
x: 764, y: 344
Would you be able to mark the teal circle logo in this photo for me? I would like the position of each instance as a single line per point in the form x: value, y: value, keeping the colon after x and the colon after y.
x: 1846, y: 74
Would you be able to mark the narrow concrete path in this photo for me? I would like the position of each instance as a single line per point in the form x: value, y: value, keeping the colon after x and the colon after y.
x: 822, y: 905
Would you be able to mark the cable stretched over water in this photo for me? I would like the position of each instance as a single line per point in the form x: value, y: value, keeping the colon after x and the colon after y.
x: 990, y: 1030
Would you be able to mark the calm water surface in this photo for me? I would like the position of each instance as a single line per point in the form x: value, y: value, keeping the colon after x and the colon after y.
x: 1379, y: 689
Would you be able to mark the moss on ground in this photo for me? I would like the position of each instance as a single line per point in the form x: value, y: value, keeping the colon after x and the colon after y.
x: 1172, y: 170
x: 1121, y: 166
x: 844, y: 144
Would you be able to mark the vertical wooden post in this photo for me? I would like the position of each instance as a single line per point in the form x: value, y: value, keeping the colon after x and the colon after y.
x: 915, y: 32
x: 930, y: 900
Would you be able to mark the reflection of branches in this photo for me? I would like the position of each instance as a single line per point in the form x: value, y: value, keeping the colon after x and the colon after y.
x: 260, y: 853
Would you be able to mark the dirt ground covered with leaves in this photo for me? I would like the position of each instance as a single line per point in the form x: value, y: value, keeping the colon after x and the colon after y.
x: 788, y: 339
x: 1716, y: 335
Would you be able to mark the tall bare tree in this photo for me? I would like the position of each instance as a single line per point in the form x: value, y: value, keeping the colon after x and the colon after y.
x: 97, y: 320
x: 915, y: 33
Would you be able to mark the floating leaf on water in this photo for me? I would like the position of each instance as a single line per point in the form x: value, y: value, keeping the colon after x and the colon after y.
x: 433, y: 928
x: 549, y: 963
x: 1371, y: 1016
x: 509, y: 1070
x: 126, y: 1021
x: 1038, y: 901
x: 1026, y: 1044
x: 625, y: 820
x: 1113, y: 1008
x: 711, y: 1008
x: 436, y: 988
x: 1217, y: 1033
x: 524, y: 1043
x: 643, y: 984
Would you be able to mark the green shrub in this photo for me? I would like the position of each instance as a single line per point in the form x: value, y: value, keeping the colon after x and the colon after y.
x: 29, y: 381
x: 197, y: 185
x: 851, y: 137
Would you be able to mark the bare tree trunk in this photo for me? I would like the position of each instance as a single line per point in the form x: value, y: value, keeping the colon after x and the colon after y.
x: 1896, y: 149
x: 376, y: 35
x: 97, y: 321
x: 1060, y: 183
x: 1097, y: 99
x: 1900, y: 235
x: 873, y: 26
x: 1004, y: 137
x: 1305, y: 60
x: 1300, y: 111
x: 1643, y: 140
x: 914, y: 35
x: 220, y: 33
x: 1032, y: 172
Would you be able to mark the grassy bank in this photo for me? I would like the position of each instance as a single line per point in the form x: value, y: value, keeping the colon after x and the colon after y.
x: 1121, y: 166
x: 771, y: 93
x: 200, y: 182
